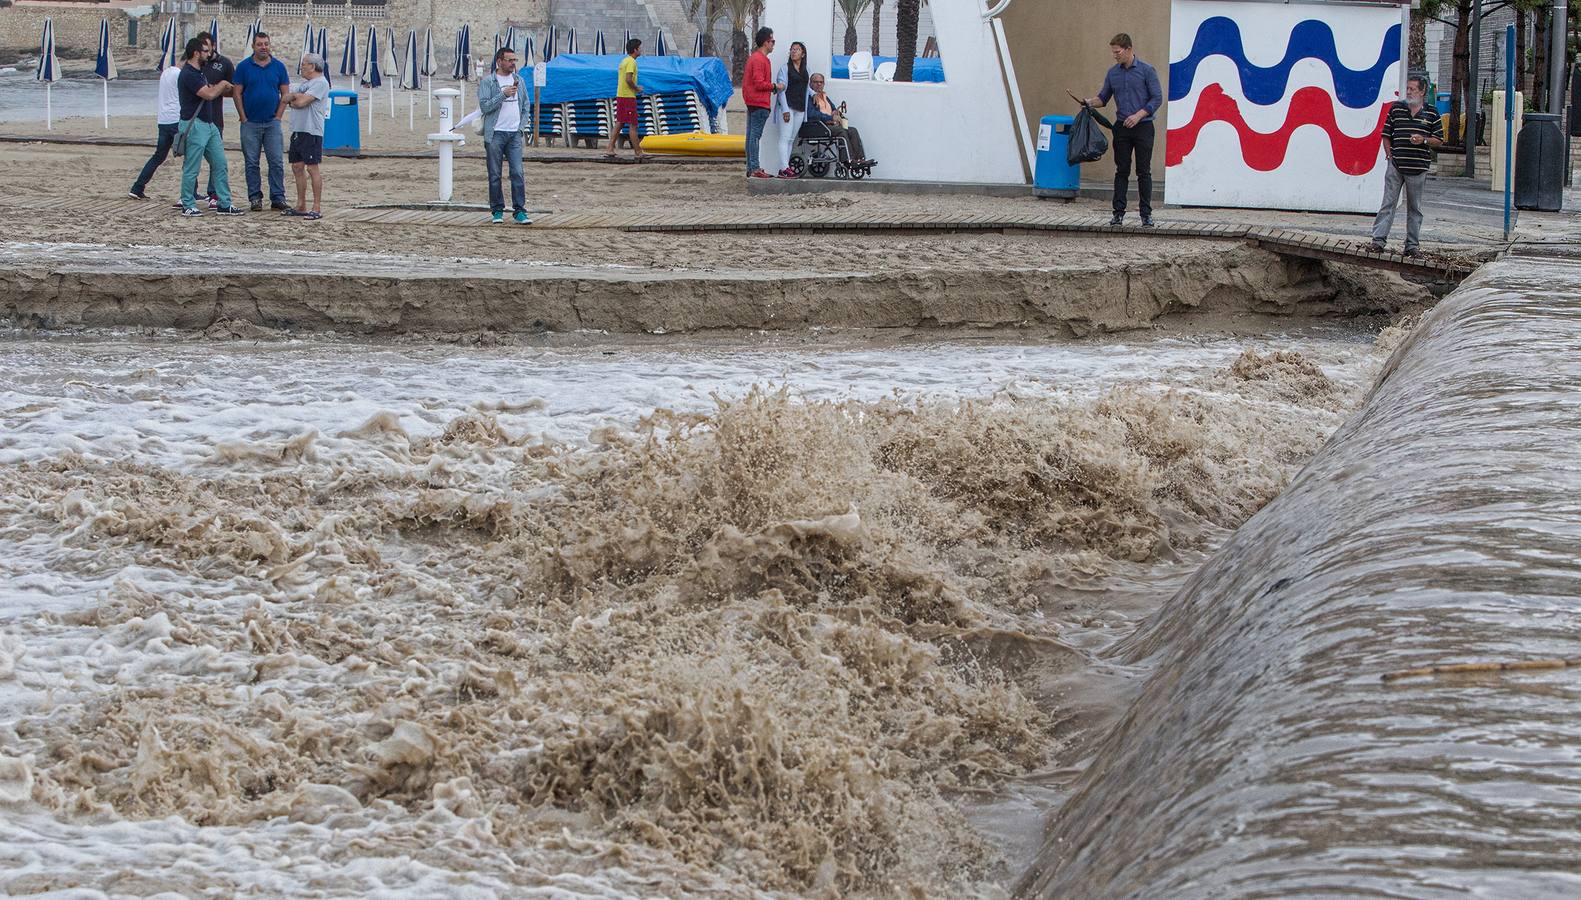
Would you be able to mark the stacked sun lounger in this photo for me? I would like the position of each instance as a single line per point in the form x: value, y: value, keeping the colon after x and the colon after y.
x: 647, y: 117
x: 589, y: 118
x: 677, y: 112
x: 551, y: 121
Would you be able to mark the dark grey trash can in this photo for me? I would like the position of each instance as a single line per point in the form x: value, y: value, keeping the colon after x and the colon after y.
x: 1540, y: 164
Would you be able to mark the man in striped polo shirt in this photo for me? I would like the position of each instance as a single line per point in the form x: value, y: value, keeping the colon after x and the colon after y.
x: 1410, y: 132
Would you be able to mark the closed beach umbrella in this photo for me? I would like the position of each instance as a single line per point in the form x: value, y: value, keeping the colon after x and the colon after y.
x: 697, y: 46
x: 411, y: 77
x: 463, y: 68
x: 660, y: 48
x: 321, y: 47
x: 429, y: 67
x: 599, y: 48
x: 371, y: 74
x: 528, y: 60
x: 462, y: 71
x: 48, y: 69
x: 214, y: 32
x: 392, y: 64
x: 308, y: 39
x: 104, y: 67
x: 349, y: 56
x: 169, y: 53
x: 551, y: 43
x: 627, y: 42
x: 253, y: 29
x: 570, y: 40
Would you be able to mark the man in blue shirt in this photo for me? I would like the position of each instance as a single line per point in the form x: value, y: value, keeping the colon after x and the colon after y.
x: 262, y: 81
x: 1134, y: 86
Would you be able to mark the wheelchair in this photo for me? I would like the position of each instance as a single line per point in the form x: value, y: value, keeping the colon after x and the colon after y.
x: 818, y: 151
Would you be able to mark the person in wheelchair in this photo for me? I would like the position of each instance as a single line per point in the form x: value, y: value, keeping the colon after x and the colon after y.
x: 825, y: 119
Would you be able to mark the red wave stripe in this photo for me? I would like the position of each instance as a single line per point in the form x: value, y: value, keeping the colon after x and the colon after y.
x: 1265, y: 152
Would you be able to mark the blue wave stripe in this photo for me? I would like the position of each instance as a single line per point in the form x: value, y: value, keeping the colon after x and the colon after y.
x: 1310, y: 39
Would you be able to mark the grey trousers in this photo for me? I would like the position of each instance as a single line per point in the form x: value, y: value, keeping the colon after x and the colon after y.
x: 1393, y: 181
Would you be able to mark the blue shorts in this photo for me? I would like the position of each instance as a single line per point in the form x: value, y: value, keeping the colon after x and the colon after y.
x: 307, y: 149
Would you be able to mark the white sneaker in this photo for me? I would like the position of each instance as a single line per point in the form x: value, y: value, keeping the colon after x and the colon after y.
x: 191, y: 212
x: 214, y: 203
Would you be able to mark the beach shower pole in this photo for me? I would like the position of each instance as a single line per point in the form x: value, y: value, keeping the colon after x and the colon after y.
x: 447, y: 139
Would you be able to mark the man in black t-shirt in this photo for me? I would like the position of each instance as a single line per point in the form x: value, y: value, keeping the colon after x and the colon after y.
x: 218, y: 69
x: 1410, y: 132
x: 200, y: 100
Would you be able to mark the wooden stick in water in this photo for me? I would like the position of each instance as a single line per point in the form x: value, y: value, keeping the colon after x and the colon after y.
x: 1462, y: 668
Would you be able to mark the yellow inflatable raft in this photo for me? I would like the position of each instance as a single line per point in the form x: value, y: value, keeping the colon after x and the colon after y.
x: 696, y: 143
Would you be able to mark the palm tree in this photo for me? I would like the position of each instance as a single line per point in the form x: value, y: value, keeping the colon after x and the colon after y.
x: 906, y: 14
x: 852, y: 10
x: 710, y: 16
x: 878, y: 7
x: 739, y: 12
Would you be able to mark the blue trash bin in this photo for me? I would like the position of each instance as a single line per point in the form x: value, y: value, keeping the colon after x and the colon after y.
x: 1053, y: 176
x: 343, y: 129
x: 1441, y: 103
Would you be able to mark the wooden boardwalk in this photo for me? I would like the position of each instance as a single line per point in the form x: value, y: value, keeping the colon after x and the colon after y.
x: 810, y: 222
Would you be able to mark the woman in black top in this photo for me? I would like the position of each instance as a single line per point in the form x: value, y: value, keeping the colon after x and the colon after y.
x: 791, y: 104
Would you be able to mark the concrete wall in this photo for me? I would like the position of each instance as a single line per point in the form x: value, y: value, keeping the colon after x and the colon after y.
x: 77, y: 24
x: 1058, y: 45
x: 962, y: 130
x: 76, y: 29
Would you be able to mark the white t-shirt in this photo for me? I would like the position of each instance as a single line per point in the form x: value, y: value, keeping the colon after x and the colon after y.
x: 510, y: 112
x: 169, y: 96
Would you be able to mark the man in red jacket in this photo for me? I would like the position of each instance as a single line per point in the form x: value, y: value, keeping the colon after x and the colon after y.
x: 758, y: 88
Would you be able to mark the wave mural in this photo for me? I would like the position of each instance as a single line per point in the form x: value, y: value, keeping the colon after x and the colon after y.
x: 1309, y: 39
x: 1266, y: 151
x: 1267, y: 157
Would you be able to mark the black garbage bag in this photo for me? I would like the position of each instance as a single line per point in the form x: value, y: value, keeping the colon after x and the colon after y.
x: 1087, y: 140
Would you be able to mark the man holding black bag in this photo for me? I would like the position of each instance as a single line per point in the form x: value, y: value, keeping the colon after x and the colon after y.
x: 1137, y: 96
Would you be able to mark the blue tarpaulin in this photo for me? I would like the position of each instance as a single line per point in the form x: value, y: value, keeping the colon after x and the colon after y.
x: 583, y: 76
x: 927, y: 69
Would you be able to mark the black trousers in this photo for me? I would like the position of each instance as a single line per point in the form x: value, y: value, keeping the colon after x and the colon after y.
x: 853, y: 140
x: 167, y: 136
x: 1134, y: 142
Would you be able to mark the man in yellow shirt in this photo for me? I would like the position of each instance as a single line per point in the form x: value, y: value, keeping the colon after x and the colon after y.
x: 626, y: 91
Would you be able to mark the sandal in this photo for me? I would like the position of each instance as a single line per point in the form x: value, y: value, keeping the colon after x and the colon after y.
x: 312, y: 216
x: 290, y: 211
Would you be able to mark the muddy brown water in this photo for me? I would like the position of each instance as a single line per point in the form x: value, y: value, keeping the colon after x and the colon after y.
x: 1265, y: 757
x: 685, y: 617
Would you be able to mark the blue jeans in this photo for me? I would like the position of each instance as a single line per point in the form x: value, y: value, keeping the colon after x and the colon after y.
x: 501, y: 146
x: 266, y: 135
x: 757, y: 120
x: 204, y: 145
x: 167, y: 136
